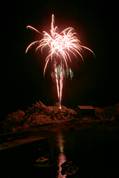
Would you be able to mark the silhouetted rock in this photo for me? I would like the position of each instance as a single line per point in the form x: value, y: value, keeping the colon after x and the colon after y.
x: 69, y: 168
x: 37, y: 114
x: 40, y: 114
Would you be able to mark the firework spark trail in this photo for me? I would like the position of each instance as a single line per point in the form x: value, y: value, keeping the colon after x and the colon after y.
x: 56, y: 79
x: 61, y: 46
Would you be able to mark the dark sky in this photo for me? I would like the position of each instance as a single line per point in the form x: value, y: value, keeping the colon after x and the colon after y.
x: 95, y: 81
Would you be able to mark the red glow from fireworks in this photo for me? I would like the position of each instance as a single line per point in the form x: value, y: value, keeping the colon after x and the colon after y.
x: 61, y: 46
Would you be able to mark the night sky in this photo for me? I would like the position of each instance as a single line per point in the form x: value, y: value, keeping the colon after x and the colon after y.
x: 95, y: 81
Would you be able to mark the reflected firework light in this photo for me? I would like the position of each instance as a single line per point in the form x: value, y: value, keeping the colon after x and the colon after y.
x: 61, y: 160
x: 61, y: 156
x: 60, y: 143
x: 61, y: 47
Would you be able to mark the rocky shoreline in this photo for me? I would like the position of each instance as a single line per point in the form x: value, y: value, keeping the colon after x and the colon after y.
x: 41, y: 115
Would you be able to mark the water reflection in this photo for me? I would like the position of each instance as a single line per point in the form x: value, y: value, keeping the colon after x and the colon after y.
x: 61, y: 156
x: 79, y: 153
x: 61, y: 160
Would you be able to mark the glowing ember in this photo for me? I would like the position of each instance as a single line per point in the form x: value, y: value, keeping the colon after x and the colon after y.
x: 61, y: 46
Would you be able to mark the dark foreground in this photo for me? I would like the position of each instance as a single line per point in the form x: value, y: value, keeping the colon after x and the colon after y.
x: 93, y: 148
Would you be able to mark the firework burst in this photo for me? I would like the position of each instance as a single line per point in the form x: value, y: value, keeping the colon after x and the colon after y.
x: 61, y: 46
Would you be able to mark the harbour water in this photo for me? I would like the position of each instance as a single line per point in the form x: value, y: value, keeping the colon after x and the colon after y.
x: 88, y: 152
